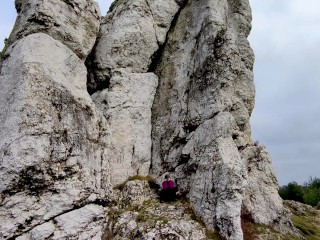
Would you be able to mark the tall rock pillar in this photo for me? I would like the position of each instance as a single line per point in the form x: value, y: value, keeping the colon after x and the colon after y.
x: 52, y: 138
x: 201, y: 132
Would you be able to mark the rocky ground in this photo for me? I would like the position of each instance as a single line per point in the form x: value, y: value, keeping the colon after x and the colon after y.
x: 138, y: 214
x: 306, y: 219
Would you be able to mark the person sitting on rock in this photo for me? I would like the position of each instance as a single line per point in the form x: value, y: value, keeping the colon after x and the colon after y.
x: 168, y: 192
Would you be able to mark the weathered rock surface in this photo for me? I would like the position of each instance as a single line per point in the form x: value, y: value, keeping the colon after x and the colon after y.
x: 261, y: 194
x: 127, y: 106
x: 73, y: 22
x: 85, y: 223
x: 201, y: 129
x: 52, y: 137
x: 62, y: 150
x: 130, y: 35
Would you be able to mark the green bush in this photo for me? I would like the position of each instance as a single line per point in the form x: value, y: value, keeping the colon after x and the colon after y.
x: 293, y: 191
x: 309, y: 193
x: 312, y: 192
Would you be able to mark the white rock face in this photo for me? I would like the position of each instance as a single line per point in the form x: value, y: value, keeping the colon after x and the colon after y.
x: 84, y: 223
x: 261, y: 195
x: 201, y: 113
x: 217, y: 172
x: 51, y: 136
x: 73, y: 22
x: 129, y: 36
x: 127, y: 105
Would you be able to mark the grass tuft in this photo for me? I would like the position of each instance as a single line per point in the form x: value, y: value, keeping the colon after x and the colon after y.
x: 308, y: 228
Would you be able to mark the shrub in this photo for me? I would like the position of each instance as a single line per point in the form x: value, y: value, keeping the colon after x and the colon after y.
x: 292, y: 191
x: 309, y: 193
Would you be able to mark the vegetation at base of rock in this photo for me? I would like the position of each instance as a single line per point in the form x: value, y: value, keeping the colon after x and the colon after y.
x: 252, y: 231
x: 212, y: 235
x: 306, y: 227
x: 308, y: 193
x: 306, y: 219
x: 163, y: 220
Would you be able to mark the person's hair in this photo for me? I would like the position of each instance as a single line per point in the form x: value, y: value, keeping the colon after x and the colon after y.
x: 167, y: 176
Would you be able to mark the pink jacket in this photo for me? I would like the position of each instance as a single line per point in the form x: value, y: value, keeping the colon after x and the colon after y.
x: 168, y: 184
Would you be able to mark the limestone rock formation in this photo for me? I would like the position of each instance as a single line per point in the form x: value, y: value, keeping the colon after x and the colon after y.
x: 129, y: 36
x: 87, y: 222
x: 52, y: 138
x: 201, y: 130
x: 155, y: 87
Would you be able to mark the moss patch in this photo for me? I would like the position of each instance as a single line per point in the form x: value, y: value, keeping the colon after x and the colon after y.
x: 212, y: 235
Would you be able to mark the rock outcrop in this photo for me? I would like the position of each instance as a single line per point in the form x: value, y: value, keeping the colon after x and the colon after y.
x: 129, y: 38
x: 139, y: 215
x: 74, y: 23
x: 201, y: 131
x: 52, y: 138
x: 155, y: 87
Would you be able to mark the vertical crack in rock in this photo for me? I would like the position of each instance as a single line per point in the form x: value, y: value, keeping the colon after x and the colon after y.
x: 121, y: 86
x: 157, y: 55
x: 93, y: 84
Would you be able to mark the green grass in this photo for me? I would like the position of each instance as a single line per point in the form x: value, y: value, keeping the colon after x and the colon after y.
x: 306, y: 220
x: 307, y: 226
x: 212, y: 235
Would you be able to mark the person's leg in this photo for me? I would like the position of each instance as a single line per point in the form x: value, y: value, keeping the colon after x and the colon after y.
x: 171, y: 195
x: 174, y: 194
x: 162, y: 196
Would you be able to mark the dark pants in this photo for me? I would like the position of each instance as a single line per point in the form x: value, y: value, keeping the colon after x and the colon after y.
x: 168, y: 195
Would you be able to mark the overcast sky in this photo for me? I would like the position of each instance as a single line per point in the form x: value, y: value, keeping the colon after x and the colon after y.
x: 286, y: 41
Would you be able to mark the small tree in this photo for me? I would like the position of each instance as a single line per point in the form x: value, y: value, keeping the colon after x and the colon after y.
x: 312, y: 191
x: 293, y: 191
